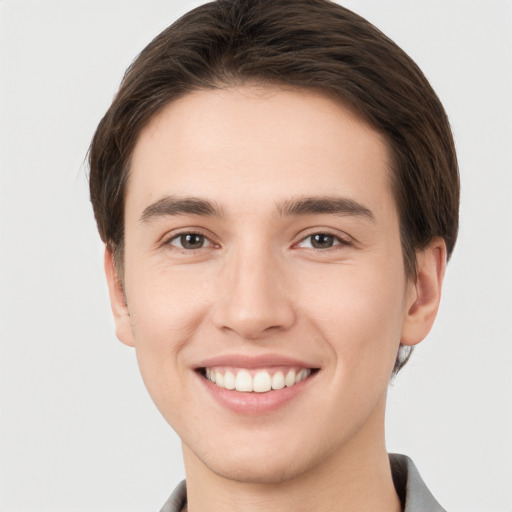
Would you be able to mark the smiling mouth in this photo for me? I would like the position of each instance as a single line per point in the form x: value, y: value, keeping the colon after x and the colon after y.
x: 256, y: 380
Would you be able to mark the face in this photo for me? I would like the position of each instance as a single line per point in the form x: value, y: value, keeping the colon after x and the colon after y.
x: 262, y: 251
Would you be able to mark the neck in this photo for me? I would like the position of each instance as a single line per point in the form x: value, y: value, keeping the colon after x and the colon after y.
x: 357, y: 478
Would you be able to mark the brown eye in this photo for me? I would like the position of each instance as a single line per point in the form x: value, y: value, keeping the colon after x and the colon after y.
x: 190, y: 241
x: 322, y: 241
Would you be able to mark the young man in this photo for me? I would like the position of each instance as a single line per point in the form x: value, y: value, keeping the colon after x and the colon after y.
x: 277, y: 188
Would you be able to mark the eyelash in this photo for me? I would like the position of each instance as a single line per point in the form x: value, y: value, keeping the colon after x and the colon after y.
x: 336, y: 241
x: 179, y: 236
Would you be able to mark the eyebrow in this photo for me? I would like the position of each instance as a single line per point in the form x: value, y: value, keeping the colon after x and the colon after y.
x: 174, y: 205
x: 343, y: 206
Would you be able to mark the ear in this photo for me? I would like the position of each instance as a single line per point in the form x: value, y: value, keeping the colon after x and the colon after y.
x: 424, y: 294
x: 118, y: 301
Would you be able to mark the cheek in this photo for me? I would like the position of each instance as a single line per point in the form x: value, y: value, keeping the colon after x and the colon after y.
x: 166, y: 305
x: 166, y: 310
x: 163, y: 322
x: 360, y: 315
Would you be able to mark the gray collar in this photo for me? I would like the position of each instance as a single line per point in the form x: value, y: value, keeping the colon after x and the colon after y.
x: 411, y: 489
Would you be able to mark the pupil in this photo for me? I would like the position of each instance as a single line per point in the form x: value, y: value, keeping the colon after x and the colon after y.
x: 321, y: 241
x: 192, y: 241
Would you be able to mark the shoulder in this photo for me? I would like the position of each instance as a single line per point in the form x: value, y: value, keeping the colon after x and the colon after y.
x: 177, y: 500
x: 410, y: 487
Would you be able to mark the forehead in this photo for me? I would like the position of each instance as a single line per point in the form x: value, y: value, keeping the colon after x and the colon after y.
x: 251, y: 145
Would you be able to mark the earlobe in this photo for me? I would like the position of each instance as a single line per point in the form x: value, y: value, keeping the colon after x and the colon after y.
x: 425, y: 293
x: 118, y: 304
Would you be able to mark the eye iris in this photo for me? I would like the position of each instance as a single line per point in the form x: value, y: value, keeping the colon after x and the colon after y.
x: 192, y: 241
x: 322, y: 241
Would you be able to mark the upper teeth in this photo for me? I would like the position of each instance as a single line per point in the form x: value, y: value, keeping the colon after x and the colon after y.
x: 261, y: 381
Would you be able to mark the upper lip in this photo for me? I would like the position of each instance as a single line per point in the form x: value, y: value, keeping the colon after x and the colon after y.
x: 245, y: 361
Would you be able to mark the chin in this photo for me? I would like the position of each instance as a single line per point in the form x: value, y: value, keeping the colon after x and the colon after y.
x: 257, y: 464
x: 256, y: 471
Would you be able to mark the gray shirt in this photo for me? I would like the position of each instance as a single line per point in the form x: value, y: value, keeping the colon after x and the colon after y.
x: 411, y: 489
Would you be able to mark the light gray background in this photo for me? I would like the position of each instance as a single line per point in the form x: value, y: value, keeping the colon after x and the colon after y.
x: 77, y: 429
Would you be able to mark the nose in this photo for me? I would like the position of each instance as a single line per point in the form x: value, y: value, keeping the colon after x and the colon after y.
x: 255, y: 297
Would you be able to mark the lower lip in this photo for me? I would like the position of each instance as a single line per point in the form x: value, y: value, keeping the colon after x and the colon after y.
x: 252, y: 403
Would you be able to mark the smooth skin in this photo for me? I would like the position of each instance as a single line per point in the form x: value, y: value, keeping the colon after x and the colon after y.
x: 249, y: 275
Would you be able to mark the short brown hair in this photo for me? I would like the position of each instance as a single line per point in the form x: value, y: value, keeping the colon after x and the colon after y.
x: 303, y: 43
